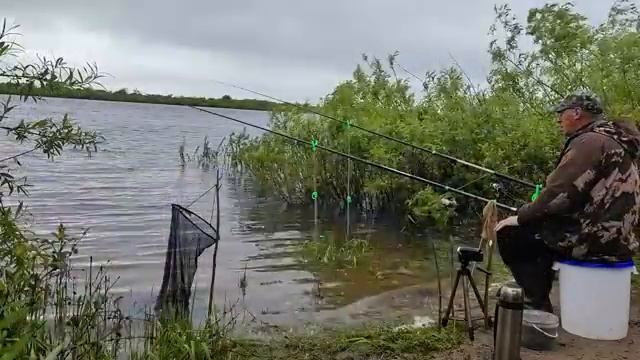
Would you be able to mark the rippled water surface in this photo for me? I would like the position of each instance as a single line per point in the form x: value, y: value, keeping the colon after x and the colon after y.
x: 123, y: 195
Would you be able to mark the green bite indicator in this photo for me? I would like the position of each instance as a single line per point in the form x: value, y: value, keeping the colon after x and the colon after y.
x: 536, y: 193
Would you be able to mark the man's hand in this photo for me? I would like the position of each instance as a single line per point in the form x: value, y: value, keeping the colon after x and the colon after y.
x: 510, y: 221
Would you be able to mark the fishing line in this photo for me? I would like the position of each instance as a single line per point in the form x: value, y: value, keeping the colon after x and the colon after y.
x: 349, y: 169
x: 370, y: 163
x: 473, y: 181
x: 509, y: 195
x: 314, y: 195
x: 201, y: 195
x: 431, y: 151
x: 496, y: 186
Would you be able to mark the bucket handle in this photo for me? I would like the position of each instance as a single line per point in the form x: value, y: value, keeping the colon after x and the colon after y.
x: 544, y: 332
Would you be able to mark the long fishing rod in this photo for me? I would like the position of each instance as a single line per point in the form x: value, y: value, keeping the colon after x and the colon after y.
x: 370, y: 163
x: 390, y: 138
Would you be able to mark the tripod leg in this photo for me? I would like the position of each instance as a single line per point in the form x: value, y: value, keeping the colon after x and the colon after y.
x: 445, y: 320
x: 467, y: 310
x: 475, y: 290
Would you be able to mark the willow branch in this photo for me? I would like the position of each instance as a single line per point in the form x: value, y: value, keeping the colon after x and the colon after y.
x: 20, y: 154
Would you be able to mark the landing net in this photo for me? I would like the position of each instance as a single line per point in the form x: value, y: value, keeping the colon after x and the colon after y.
x: 189, y: 237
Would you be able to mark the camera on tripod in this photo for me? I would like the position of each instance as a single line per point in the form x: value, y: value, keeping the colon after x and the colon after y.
x: 465, y: 256
x: 469, y: 254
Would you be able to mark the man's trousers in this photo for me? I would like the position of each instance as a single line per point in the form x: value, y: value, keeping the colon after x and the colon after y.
x: 530, y: 261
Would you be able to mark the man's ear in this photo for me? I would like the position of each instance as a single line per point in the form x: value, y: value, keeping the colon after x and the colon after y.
x: 577, y: 112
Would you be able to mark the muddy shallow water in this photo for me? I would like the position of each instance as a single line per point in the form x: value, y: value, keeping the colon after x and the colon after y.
x: 123, y: 194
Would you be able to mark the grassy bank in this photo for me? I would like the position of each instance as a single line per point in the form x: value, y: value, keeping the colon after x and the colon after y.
x: 89, y: 93
x: 377, y: 342
x: 367, y: 342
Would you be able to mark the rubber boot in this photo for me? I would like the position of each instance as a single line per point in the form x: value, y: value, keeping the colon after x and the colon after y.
x: 536, y: 279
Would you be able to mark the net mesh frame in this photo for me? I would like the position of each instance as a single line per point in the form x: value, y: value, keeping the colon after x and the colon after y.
x: 190, y: 235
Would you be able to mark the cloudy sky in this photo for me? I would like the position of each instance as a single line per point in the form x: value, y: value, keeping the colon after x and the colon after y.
x: 298, y: 50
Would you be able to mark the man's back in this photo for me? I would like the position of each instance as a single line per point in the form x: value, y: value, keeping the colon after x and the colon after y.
x: 591, y: 202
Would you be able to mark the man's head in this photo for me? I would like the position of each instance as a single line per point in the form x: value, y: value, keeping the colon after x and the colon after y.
x: 576, y: 111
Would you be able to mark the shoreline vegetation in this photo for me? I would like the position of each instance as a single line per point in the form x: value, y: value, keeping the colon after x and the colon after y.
x: 47, y: 311
x: 46, y: 314
x: 504, y: 125
x: 135, y: 96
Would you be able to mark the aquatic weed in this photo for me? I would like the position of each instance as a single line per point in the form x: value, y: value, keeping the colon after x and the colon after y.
x: 335, y: 252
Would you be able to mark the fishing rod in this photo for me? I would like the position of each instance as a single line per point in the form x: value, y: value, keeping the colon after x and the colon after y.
x: 370, y: 163
x: 390, y: 138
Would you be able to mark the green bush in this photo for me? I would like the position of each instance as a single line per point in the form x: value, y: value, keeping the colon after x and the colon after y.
x: 504, y: 124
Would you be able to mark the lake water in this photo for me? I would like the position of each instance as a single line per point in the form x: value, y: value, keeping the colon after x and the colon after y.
x: 123, y: 194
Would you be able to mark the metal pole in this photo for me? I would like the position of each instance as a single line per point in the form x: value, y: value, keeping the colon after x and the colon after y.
x: 215, y: 249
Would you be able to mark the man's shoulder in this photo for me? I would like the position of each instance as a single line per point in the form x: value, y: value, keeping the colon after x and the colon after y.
x: 588, y: 149
x: 619, y: 134
x: 594, y: 141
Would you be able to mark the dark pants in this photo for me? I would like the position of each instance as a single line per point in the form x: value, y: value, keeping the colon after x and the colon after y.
x: 530, y: 261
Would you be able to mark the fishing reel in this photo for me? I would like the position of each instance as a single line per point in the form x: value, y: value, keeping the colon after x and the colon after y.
x: 448, y: 202
x: 497, y: 186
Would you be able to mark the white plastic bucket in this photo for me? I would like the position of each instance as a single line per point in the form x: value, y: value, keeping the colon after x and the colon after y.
x: 595, y: 298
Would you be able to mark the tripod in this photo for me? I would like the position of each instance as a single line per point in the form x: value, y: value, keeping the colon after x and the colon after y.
x: 466, y: 255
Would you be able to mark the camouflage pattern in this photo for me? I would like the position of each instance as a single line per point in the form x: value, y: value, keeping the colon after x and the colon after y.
x: 591, y: 202
x: 584, y: 101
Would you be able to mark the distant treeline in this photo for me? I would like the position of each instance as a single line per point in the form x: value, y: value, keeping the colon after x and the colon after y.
x: 135, y: 96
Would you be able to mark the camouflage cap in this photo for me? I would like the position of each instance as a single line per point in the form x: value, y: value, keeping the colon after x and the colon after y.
x: 584, y: 101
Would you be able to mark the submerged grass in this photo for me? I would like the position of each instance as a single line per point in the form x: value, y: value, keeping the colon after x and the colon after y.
x: 336, y: 253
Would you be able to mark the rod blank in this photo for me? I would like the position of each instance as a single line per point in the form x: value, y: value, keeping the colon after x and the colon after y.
x: 364, y: 161
x: 390, y: 138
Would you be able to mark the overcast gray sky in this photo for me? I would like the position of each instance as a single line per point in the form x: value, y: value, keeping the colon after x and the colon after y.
x: 298, y: 50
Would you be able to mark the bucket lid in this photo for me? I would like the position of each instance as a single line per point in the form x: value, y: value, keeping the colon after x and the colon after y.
x: 540, y: 318
x: 599, y: 264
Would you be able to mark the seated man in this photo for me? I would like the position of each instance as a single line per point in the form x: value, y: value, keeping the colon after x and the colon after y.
x: 589, y: 207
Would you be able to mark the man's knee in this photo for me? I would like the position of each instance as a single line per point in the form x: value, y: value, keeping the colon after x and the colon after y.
x: 521, y: 244
x: 508, y: 247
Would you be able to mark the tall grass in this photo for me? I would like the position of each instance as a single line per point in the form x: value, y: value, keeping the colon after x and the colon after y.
x: 55, y: 314
x: 204, y: 157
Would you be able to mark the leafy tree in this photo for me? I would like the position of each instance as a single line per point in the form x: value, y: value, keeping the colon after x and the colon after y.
x: 504, y: 125
x: 123, y: 94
